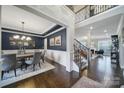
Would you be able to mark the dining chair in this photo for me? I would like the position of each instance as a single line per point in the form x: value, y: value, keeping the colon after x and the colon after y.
x: 43, y: 55
x: 34, y: 61
x: 9, y: 63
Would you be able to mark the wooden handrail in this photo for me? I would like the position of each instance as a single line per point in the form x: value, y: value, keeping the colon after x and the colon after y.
x: 81, y: 52
x: 81, y: 44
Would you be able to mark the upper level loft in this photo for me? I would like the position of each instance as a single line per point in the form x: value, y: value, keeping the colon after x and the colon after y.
x: 84, y: 12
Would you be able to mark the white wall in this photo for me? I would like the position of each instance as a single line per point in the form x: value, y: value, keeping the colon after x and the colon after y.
x: 57, y: 56
x: 121, y: 47
x: 63, y: 16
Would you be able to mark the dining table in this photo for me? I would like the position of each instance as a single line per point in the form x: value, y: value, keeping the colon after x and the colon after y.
x: 1, y: 60
x: 25, y: 55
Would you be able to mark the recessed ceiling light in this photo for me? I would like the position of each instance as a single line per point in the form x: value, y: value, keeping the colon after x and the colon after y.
x: 91, y: 28
x: 105, y: 31
x: 85, y: 37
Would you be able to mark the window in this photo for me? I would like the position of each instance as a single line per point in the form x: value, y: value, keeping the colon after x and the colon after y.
x: 105, y: 45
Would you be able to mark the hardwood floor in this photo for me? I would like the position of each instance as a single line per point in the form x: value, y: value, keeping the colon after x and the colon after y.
x: 56, y: 78
x: 100, y: 70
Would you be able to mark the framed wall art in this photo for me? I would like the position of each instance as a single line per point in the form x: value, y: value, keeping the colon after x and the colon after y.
x: 58, y: 40
x: 52, y: 42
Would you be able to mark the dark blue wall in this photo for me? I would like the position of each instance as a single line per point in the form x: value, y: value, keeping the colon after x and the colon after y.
x: 63, y: 41
x: 39, y: 42
x: 52, y: 29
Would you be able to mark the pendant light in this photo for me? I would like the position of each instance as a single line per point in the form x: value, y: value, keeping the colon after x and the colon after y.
x: 23, y: 37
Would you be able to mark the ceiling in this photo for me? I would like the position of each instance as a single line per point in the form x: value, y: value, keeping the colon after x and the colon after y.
x: 76, y: 8
x: 12, y: 17
x: 109, y: 24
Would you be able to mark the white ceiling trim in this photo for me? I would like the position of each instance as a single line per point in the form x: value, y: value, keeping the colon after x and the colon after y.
x: 55, y: 31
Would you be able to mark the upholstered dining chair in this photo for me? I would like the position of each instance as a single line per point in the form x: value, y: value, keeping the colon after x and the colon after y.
x: 43, y: 55
x: 35, y: 60
x: 9, y: 63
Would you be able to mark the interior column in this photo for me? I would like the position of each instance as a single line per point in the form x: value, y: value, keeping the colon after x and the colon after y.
x: 0, y: 42
x: 89, y: 46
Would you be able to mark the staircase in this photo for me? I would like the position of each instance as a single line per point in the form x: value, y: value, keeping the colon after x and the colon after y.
x: 90, y: 11
x: 81, y: 55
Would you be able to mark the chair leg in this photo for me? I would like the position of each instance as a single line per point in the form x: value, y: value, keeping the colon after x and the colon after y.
x: 26, y: 66
x: 43, y: 60
x: 33, y: 67
x: 39, y: 65
x: 2, y: 73
x: 15, y: 72
x: 21, y: 67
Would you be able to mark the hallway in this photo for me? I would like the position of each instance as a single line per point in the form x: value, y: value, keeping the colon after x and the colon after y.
x: 103, y: 71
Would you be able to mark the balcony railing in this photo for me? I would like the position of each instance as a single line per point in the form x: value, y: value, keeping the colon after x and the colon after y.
x: 91, y: 10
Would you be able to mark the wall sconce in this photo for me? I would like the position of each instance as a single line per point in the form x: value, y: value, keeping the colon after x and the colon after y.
x: 23, y: 37
x: 28, y: 38
x: 16, y: 36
